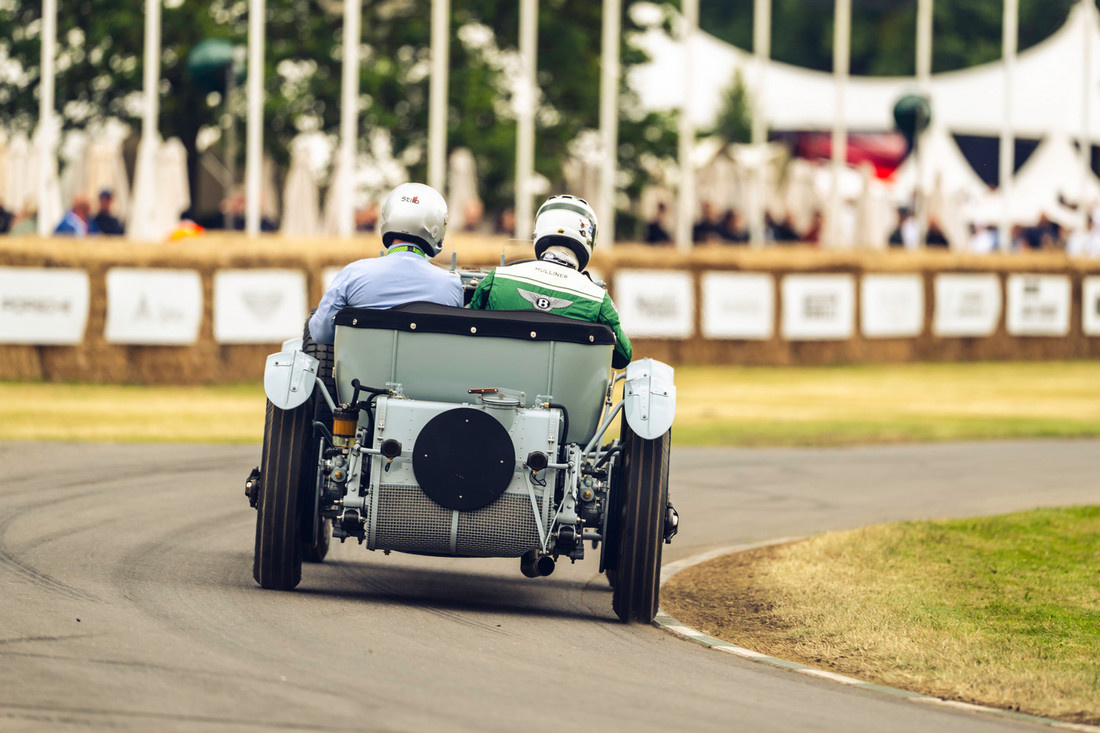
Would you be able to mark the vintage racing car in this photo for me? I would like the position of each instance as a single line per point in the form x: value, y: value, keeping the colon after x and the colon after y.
x: 444, y: 431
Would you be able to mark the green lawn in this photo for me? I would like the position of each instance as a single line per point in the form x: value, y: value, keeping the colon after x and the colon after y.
x: 715, y: 406
x: 1003, y: 611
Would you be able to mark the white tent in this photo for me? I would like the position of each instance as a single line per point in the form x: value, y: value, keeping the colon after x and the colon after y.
x: 1049, y: 83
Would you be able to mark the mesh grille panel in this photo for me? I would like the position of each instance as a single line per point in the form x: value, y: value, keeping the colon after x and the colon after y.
x: 505, y: 528
x: 411, y: 522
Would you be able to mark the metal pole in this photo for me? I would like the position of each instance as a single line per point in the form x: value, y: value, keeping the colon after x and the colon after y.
x: 924, y: 81
x: 254, y: 143
x: 609, y: 117
x: 1086, y: 102
x: 686, y: 202
x: 1008, y: 138
x: 761, y: 46
x: 143, y: 211
x: 349, y: 117
x: 46, y: 115
x: 841, y: 54
x: 438, y: 87
x: 525, y: 133
x: 230, y: 145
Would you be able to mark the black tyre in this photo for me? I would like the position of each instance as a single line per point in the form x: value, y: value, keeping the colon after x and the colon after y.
x: 643, y: 487
x: 316, y: 551
x: 278, y: 559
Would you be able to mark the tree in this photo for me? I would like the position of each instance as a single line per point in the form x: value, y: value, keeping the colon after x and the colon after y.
x: 967, y: 32
x: 100, y: 75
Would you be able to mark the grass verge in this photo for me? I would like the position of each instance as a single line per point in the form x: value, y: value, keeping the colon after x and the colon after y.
x: 748, y: 406
x: 1001, y: 611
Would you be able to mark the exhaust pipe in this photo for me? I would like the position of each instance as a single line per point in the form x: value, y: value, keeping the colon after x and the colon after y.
x: 535, y: 564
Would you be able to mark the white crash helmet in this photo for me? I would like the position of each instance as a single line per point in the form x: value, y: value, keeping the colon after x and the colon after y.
x: 414, y: 213
x: 566, y: 221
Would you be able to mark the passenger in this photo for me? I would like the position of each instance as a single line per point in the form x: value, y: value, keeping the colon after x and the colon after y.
x: 565, y: 232
x: 413, y: 222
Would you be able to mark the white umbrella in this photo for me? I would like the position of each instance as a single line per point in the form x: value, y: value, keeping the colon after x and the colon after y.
x: 461, y: 186
x: 50, y: 210
x: 161, y: 193
x: 106, y: 168
x: 338, y: 189
x: 74, y: 151
x: 19, y: 182
x: 5, y: 165
x: 301, y: 208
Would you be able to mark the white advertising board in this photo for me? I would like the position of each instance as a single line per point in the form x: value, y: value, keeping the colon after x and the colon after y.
x: 891, y: 306
x: 1037, y: 305
x: 40, y: 305
x: 966, y: 304
x: 655, y: 303
x: 259, y: 306
x: 817, y: 307
x: 153, y: 307
x: 738, y: 305
x: 1090, y: 306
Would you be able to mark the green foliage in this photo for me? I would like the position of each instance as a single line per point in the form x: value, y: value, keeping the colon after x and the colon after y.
x: 965, y: 32
x: 101, y: 75
x: 734, y: 123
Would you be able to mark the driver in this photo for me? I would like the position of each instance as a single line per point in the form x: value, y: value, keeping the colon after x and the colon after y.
x: 413, y: 222
x: 565, y: 231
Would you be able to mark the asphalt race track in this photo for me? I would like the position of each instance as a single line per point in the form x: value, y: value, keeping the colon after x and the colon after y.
x: 127, y: 601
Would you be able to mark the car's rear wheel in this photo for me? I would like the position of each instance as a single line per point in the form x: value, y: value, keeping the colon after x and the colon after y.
x: 643, y: 495
x: 315, y: 551
x: 277, y: 563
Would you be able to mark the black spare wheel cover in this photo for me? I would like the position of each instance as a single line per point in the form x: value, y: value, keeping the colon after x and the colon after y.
x: 463, y: 459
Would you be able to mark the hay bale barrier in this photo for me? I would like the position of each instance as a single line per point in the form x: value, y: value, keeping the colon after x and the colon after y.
x: 206, y: 361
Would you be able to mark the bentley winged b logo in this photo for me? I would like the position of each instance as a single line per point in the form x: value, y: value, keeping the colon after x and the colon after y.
x: 543, y: 302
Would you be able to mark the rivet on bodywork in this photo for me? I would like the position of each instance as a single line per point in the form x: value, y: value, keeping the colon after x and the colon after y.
x: 473, y: 329
x: 412, y: 326
x: 532, y: 334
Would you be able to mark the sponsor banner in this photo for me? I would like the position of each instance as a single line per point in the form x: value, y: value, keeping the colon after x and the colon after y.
x: 1090, y: 306
x: 40, y: 305
x: 818, y: 307
x: 966, y: 305
x: 259, y: 306
x: 1037, y: 305
x: 153, y: 307
x: 738, y: 305
x: 891, y: 306
x: 655, y: 303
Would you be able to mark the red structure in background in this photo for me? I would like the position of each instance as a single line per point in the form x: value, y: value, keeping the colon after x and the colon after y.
x: 883, y: 150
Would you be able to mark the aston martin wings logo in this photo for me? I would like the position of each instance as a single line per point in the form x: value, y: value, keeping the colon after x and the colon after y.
x: 543, y: 302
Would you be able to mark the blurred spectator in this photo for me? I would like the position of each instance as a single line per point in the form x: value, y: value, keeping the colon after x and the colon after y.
x: 734, y: 230
x: 707, y: 229
x: 1084, y: 243
x: 25, y: 222
x: 655, y: 230
x: 906, y: 233
x: 75, y: 222
x: 506, y: 223
x: 983, y: 238
x: 233, y: 210
x: 781, y: 231
x: 473, y: 213
x: 935, y: 237
x: 1046, y: 234
x: 816, y: 231
x: 5, y: 219
x: 366, y: 218
x: 104, y: 221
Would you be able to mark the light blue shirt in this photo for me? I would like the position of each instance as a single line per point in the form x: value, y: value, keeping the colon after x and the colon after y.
x: 384, y: 282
